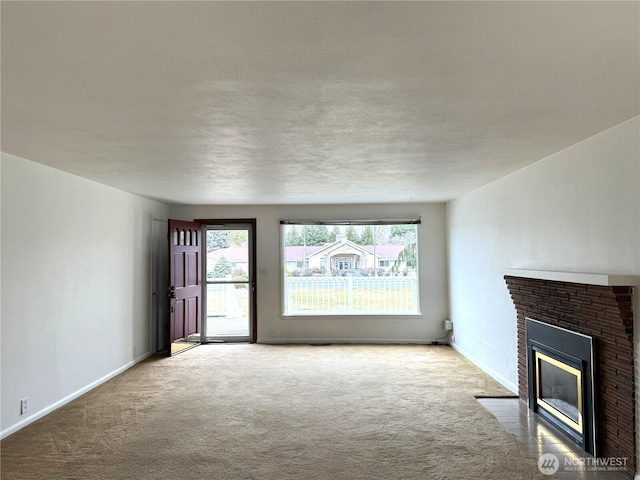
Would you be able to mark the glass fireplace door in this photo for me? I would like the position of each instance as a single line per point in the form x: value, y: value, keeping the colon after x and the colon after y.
x: 559, y: 390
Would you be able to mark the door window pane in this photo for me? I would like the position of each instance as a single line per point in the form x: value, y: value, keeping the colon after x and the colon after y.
x: 227, y: 277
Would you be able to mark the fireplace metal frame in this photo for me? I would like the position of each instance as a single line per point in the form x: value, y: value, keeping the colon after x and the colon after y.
x: 556, y: 412
x: 577, y: 351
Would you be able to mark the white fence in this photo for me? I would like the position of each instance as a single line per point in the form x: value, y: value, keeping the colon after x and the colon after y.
x: 350, y: 295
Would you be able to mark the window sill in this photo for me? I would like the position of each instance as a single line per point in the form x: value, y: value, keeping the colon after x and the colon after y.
x: 377, y: 316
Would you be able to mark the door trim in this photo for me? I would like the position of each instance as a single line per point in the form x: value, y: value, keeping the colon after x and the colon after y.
x: 159, y: 309
x: 253, y: 269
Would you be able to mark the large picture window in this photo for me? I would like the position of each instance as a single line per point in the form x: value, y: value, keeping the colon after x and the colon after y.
x: 350, y: 267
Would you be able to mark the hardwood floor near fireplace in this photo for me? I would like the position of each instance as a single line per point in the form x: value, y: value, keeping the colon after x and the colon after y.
x: 540, y: 438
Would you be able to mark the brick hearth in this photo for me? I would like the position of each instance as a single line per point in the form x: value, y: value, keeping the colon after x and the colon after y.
x: 606, y: 314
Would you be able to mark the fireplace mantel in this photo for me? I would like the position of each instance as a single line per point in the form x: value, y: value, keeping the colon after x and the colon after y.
x: 601, y: 279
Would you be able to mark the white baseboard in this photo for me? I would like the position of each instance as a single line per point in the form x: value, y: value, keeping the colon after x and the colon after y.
x: 142, y: 357
x: 346, y: 341
x: 45, y: 411
x: 488, y: 370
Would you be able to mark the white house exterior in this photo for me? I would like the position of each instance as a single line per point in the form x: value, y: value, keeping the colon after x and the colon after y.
x: 340, y: 255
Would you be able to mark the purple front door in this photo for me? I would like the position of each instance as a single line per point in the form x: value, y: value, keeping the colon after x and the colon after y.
x: 185, y: 279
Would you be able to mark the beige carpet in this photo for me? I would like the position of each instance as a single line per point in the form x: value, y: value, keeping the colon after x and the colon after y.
x: 278, y: 412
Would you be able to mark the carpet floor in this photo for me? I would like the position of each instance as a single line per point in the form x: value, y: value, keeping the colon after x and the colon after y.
x: 278, y: 413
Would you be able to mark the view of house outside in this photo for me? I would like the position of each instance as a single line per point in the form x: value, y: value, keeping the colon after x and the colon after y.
x: 328, y: 270
x: 350, y: 270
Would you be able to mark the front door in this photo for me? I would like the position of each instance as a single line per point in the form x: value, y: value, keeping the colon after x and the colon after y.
x: 229, y: 282
x: 185, y: 280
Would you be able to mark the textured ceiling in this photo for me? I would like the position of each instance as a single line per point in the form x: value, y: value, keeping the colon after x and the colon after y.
x: 310, y: 102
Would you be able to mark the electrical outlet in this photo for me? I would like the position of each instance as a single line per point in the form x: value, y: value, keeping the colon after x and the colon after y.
x: 135, y: 351
x: 263, y: 271
x: 24, y: 406
x: 272, y: 333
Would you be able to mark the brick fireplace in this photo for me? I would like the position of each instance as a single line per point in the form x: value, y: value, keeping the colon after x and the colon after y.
x: 598, y: 306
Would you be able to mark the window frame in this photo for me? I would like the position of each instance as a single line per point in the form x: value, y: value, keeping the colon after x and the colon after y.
x: 416, y: 309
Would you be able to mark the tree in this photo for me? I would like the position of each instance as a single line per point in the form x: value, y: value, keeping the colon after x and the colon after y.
x: 402, y: 234
x: 407, y: 256
x: 333, y: 236
x: 352, y: 234
x: 315, y: 235
x: 222, y: 268
x: 367, y: 236
x: 381, y: 234
x: 238, y: 238
x: 217, y: 239
x: 292, y: 237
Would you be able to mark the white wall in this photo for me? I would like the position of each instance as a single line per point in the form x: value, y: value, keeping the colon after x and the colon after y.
x: 75, y: 285
x: 433, y: 295
x: 578, y: 210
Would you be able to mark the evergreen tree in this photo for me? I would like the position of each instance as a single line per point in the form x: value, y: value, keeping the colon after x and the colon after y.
x: 315, y: 235
x: 217, y: 239
x: 334, y: 234
x: 222, y: 268
x: 367, y: 236
x: 292, y: 237
x: 352, y: 234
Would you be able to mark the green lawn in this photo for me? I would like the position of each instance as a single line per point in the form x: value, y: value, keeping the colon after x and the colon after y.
x: 235, y: 302
x: 374, y: 299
